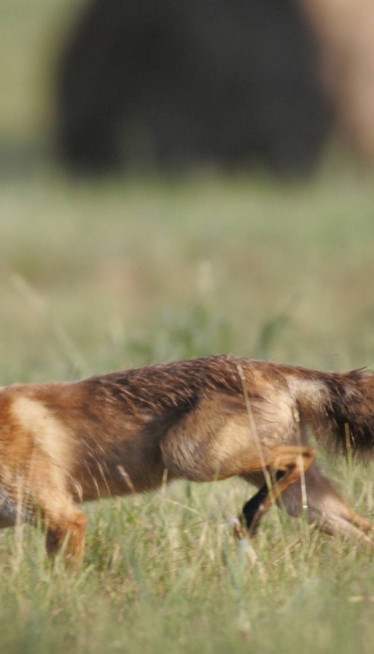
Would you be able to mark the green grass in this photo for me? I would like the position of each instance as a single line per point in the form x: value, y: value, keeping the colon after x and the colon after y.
x: 233, y: 264
x: 95, y: 278
x: 104, y: 276
x: 164, y: 572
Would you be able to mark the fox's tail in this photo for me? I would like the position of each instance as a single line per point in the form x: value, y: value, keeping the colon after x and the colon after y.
x: 339, y: 407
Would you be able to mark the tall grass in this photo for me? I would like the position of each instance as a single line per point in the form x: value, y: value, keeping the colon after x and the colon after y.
x: 103, y: 276
x: 164, y: 571
x: 95, y: 279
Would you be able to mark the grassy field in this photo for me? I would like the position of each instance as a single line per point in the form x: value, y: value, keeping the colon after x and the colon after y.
x: 98, y: 277
x: 95, y: 278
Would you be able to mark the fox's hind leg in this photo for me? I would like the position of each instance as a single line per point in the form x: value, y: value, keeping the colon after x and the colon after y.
x: 66, y: 530
x: 63, y: 522
x: 41, y: 495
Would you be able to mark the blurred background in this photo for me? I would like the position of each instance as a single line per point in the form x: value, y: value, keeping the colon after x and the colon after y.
x: 181, y: 178
x: 185, y: 178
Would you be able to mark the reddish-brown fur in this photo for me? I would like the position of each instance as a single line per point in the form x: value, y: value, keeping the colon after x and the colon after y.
x: 207, y: 419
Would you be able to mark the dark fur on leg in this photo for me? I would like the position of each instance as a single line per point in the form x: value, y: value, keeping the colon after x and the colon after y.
x: 253, y: 509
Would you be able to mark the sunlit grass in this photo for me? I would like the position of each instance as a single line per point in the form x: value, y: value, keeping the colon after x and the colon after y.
x: 101, y: 276
x: 164, y: 571
x: 95, y: 279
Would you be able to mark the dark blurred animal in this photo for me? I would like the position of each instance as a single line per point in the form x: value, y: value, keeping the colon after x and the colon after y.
x: 203, y: 420
x: 223, y: 82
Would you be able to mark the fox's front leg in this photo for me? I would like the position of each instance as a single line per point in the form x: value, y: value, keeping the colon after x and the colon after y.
x: 285, y: 465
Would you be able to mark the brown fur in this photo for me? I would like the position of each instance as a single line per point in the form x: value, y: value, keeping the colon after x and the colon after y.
x: 207, y: 419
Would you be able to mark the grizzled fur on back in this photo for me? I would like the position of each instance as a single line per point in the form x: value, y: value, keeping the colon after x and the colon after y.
x: 179, y: 384
x: 349, y: 409
x: 339, y: 406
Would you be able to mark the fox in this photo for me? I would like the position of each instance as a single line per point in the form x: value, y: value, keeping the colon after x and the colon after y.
x: 204, y: 419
